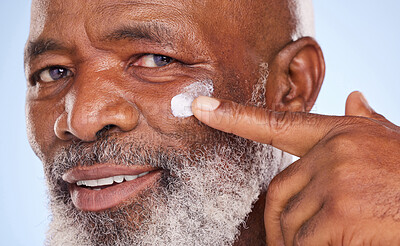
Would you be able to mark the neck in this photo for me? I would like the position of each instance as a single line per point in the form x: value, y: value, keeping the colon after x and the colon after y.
x: 253, y: 233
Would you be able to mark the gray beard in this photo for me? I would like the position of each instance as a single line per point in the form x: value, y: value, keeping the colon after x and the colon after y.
x: 203, y: 197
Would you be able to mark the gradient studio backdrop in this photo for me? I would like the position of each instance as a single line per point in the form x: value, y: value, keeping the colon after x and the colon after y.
x: 360, y: 40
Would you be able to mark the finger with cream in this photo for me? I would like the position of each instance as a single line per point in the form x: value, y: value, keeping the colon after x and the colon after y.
x: 181, y: 104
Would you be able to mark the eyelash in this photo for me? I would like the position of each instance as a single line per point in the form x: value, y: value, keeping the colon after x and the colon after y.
x: 35, y: 78
x: 142, y: 56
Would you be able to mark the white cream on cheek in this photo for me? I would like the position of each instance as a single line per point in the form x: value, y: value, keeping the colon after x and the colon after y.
x: 181, y: 104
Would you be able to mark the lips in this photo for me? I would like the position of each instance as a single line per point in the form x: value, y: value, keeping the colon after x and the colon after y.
x: 104, y: 186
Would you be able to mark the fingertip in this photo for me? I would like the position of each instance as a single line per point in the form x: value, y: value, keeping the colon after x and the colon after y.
x: 357, y: 105
x: 359, y: 96
x: 204, y: 108
x: 204, y: 103
x: 364, y: 101
x: 356, y: 93
x: 353, y: 97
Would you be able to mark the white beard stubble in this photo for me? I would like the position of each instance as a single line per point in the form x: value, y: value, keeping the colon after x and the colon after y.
x: 206, y: 202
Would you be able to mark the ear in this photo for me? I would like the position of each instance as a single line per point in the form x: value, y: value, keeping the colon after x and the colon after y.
x: 296, y: 76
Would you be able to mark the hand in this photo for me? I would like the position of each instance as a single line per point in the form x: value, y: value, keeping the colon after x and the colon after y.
x: 344, y: 189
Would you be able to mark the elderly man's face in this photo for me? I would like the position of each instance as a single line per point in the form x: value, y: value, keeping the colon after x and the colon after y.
x: 101, y: 77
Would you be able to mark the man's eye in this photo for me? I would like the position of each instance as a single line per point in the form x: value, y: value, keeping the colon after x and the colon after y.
x: 152, y: 60
x: 53, y: 74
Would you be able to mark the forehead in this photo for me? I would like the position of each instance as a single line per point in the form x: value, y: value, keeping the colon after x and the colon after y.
x: 94, y: 16
x: 215, y: 20
x: 100, y: 14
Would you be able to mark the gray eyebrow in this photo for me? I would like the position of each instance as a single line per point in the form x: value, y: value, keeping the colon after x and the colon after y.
x: 151, y: 31
x: 38, y: 47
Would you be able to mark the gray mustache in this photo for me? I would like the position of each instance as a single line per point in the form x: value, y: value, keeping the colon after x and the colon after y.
x: 112, y: 149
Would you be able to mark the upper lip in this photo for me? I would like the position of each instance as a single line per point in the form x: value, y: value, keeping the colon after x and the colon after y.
x: 100, y: 171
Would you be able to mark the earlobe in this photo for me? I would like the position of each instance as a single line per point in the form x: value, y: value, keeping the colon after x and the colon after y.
x: 296, y: 76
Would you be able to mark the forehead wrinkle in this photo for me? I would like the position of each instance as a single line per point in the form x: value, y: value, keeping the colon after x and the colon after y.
x: 112, y: 6
x: 154, y: 21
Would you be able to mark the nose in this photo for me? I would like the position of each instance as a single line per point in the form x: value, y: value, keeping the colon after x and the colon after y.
x: 92, y: 105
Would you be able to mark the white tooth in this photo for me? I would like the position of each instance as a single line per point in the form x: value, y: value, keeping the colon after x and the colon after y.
x: 142, y: 174
x: 96, y: 189
x: 118, y: 179
x: 105, y: 181
x: 130, y: 177
x: 90, y: 183
x: 79, y: 183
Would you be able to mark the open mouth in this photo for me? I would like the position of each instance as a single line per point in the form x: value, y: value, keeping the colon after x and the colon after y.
x: 104, y: 186
x: 99, y: 184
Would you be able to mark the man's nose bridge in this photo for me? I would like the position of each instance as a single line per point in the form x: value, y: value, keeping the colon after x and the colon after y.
x: 95, y: 101
x: 92, y: 92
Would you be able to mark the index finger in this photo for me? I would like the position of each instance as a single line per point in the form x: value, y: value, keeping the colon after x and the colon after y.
x: 292, y: 132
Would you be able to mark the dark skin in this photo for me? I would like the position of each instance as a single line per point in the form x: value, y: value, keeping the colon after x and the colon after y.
x: 106, y: 81
x: 342, y: 191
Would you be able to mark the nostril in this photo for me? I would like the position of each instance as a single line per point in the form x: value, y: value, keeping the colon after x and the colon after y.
x: 108, y: 127
x: 65, y: 135
x: 104, y: 130
x: 89, y: 123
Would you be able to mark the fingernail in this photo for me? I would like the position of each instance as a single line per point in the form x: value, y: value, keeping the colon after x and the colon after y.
x: 204, y: 103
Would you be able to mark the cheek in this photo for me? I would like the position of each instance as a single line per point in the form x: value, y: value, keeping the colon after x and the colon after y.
x: 40, y: 118
x: 154, y: 104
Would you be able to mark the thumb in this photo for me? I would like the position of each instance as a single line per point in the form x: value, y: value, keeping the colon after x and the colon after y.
x: 357, y: 105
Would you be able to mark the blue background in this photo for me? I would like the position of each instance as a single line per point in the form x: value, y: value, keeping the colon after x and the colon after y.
x: 360, y: 40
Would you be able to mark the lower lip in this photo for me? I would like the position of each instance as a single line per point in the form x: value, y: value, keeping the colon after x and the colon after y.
x: 98, y: 200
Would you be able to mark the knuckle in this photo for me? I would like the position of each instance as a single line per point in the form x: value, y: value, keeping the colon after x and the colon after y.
x: 274, y: 191
x: 353, y: 133
x: 280, y: 121
x: 287, y: 213
x: 345, y: 207
x: 287, y: 218
x: 304, y: 233
x: 343, y: 142
x: 285, y: 221
x: 343, y: 174
x: 298, y: 240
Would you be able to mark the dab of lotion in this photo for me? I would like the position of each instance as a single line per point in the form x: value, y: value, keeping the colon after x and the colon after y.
x: 181, y: 104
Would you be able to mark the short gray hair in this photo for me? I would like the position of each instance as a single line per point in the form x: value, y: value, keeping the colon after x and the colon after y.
x: 303, y: 13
